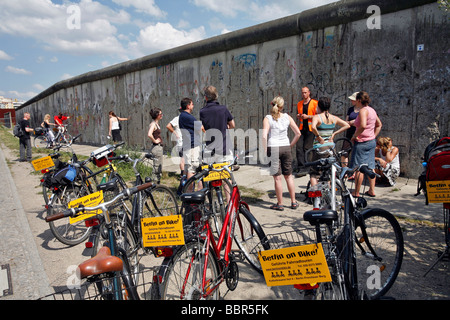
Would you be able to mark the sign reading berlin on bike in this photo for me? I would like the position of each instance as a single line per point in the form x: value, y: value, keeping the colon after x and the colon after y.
x: 162, y: 231
x: 295, y: 265
x: 438, y: 191
x: 90, y: 200
x: 42, y: 163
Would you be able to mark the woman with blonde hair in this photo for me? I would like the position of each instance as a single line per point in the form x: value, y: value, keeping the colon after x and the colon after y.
x: 46, y: 125
x: 278, y: 148
x: 387, y: 162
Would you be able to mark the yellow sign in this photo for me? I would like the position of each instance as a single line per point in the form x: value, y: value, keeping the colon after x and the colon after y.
x: 295, y: 265
x: 438, y: 191
x: 42, y: 163
x: 91, y: 200
x: 162, y: 231
x: 219, y: 175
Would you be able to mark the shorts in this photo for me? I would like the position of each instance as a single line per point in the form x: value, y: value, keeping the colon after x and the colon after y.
x: 281, y: 164
x: 191, y: 159
x: 363, y: 153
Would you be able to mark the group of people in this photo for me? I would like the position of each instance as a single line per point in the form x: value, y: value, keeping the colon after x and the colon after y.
x: 25, y: 147
x: 215, y: 120
x: 316, y: 128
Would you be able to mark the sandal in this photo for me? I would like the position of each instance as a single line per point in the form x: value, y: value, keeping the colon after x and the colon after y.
x: 278, y: 207
x: 294, y: 205
x: 369, y: 195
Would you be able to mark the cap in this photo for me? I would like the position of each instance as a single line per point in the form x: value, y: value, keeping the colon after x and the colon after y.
x: 353, y: 96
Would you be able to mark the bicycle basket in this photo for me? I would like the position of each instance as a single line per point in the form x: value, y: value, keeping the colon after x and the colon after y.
x: 100, y: 155
x: 100, y: 288
x: 39, y: 131
x: 287, y: 239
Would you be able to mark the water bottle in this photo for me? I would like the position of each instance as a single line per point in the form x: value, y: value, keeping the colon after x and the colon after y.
x: 103, y: 179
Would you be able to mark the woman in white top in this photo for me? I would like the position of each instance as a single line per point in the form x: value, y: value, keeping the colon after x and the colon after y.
x: 387, y: 161
x: 278, y: 147
x: 114, y: 126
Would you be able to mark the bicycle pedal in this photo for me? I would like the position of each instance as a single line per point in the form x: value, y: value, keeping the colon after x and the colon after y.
x: 237, y: 255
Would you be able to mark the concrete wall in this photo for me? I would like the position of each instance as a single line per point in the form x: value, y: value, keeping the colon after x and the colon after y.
x: 330, y: 49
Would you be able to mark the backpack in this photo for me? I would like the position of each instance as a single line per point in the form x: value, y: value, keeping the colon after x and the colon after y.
x: 436, y: 164
x: 17, y: 131
x: 64, y: 176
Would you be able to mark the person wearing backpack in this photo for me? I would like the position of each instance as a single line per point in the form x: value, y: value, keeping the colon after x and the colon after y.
x: 24, y: 140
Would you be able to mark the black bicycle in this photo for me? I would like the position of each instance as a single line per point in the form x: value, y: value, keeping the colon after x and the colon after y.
x: 110, y: 269
x: 156, y: 200
x: 365, y: 245
x: 62, y: 184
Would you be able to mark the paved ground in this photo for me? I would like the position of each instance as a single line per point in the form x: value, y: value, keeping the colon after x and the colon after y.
x: 36, y: 263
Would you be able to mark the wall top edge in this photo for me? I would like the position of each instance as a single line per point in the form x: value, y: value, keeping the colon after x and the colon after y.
x: 332, y: 14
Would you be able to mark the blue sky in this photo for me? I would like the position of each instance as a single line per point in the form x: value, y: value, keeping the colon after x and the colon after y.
x: 45, y: 41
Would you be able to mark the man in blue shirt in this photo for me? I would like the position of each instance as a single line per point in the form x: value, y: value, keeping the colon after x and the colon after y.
x: 216, y: 119
x: 191, y: 136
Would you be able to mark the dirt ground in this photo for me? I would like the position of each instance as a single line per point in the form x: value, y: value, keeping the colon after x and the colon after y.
x: 422, y: 241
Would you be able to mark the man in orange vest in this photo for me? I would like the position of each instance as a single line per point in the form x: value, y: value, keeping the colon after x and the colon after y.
x: 306, y: 110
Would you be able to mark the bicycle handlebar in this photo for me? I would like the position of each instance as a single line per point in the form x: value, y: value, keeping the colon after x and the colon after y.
x: 73, y: 211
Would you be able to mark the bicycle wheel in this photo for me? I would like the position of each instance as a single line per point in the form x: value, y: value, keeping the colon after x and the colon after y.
x: 248, y: 234
x: 62, y: 229
x: 184, y: 275
x: 67, y: 138
x: 40, y: 142
x: 334, y: 290
x: 376, y: 275
x: 159, y: 201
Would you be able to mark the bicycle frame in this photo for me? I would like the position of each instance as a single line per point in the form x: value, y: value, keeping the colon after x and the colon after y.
x: 225, y: 237
x: 352, y: 220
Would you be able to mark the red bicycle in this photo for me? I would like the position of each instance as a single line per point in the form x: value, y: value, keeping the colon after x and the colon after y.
x: 196, y: 269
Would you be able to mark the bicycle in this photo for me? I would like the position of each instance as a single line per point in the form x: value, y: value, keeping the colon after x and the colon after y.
x: 321, y: 193
x: 62, y: 138
x: 63, y: 191
x: 63, y: 184
x: 196, y: 269
x: 110, y: 269
x: 157, y: 200
x: 219, y: 186
x: 359, y: 241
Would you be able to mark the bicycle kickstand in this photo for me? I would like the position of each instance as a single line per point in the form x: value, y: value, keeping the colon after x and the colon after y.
x: 446, y: 252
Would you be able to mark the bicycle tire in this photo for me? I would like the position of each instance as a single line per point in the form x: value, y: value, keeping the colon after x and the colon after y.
x: 248, y: 234
x: 40, y: 142
x: 62, y: 229
x: 385, y: 236
x: 188, y: 258
x: 160, y: 201
x: 46, y: 193
x: 67, y: 138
